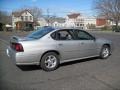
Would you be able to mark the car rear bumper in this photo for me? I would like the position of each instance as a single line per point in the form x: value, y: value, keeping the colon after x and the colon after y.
x: 11, y: 54
x: 21, y: 59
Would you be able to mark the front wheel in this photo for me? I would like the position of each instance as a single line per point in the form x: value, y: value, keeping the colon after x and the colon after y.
x: 49, y: 61
x: 105, y: 52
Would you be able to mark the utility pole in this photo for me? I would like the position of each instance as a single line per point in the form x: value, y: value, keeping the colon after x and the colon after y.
x: 48, y: 17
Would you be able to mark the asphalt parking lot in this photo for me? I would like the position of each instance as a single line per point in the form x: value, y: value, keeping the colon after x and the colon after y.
x: 88, y: 74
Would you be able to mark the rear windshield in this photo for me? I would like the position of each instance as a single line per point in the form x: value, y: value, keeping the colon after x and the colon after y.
x: 40, y: 32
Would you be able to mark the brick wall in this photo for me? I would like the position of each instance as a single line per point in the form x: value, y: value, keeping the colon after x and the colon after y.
x: 101, y: 22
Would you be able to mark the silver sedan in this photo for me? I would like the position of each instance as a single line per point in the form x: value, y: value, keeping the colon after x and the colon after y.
x: 48, y: 47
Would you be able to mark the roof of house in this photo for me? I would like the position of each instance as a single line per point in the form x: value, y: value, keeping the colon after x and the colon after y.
x: 18, y: 13
x: 73, y: 15
x: 56, y: 19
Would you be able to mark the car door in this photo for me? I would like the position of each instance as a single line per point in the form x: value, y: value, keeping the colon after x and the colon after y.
x: 87, y: 44
x: 66, y: 44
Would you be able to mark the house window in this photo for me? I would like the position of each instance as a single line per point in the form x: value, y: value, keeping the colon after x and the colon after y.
x: 22, y: 18
x: 30, y: 17
x: 26, y: 18
x: 81, y: 24
x: 77, y: 24
x: 56, y: 25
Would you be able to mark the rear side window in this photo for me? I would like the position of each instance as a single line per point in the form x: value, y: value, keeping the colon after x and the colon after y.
x: 40, y: 32
x: 62, y: 35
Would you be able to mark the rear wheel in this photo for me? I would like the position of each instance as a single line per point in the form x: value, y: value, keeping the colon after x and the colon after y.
x: 49, y: 61
x: 105, y: 52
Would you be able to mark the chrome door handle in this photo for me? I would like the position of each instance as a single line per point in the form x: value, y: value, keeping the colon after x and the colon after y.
x: 60, y: 44
x: 82, y: 43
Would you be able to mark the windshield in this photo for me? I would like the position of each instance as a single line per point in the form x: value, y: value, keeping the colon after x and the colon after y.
x: 40, y: 32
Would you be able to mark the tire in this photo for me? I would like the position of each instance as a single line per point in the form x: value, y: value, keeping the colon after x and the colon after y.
x: 49, y: 61
x: 105, y: 52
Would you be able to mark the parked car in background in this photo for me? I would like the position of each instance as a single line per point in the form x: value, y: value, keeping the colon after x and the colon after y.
x: 8, y: 27
x: 48, y: 47
x: 115, y: 29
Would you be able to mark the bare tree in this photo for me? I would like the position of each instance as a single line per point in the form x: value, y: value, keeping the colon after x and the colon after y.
x: 5, y: 18
x: 109, y: 9
x: 36, y: 12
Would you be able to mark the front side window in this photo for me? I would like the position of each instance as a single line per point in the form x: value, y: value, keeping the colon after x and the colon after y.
x: 62, y: 35
x: 82, y: 35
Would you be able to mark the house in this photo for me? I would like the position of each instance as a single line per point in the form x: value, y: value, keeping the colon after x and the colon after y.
x: 42, y: 22
x: 75, y: 20
x: 59, y: 22
x: 56, y: 21
x: 90, y: 23
x: 101, y: 22
x: 22, y: 20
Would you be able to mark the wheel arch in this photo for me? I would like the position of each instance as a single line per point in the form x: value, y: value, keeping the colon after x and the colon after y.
x: 55, y: 51
x: 107, y: 44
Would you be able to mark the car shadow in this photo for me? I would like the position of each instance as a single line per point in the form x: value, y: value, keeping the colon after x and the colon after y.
x: 29, y: 67
x: 37, y: 67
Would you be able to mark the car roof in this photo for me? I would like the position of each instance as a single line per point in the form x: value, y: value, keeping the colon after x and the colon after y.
x: 58, y: 28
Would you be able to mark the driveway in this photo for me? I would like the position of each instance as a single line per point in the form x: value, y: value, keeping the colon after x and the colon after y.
x: 88, y: 74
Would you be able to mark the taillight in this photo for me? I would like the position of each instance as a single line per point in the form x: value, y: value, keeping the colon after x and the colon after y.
x: 17, y: 46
